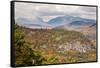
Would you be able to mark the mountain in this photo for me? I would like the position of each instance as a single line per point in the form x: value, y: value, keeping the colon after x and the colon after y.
x: 82, y: 23
x: 65, y: 21
x: 70, y: 20
x: 38, y: 23
x: 60, y: 20
x: 59, y: 40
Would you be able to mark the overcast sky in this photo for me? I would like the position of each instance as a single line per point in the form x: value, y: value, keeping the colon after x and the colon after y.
x: 48, y: 11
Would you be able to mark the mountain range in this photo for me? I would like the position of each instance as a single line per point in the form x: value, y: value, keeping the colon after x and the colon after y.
x: 60, y: 21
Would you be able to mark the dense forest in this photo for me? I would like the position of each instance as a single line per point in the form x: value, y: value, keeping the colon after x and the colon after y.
x: 51, y: 46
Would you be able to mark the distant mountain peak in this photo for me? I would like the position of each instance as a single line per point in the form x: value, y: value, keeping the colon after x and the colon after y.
x: 72, y: 20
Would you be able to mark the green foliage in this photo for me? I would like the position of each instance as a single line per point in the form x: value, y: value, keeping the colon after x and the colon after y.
x: 24, y: 55
x: 22, y: 51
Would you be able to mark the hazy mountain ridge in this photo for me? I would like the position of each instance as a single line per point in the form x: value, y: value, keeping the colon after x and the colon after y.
x: 70, y: 20
x: 55, y: 22
x: 82, y: 23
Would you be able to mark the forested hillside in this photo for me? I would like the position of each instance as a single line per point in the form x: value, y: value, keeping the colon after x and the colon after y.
x: 51, y: 46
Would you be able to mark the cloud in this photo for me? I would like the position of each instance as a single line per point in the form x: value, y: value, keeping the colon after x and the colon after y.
x: 88, y: 12
x: 49, y: 11
x: 88, y: 9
